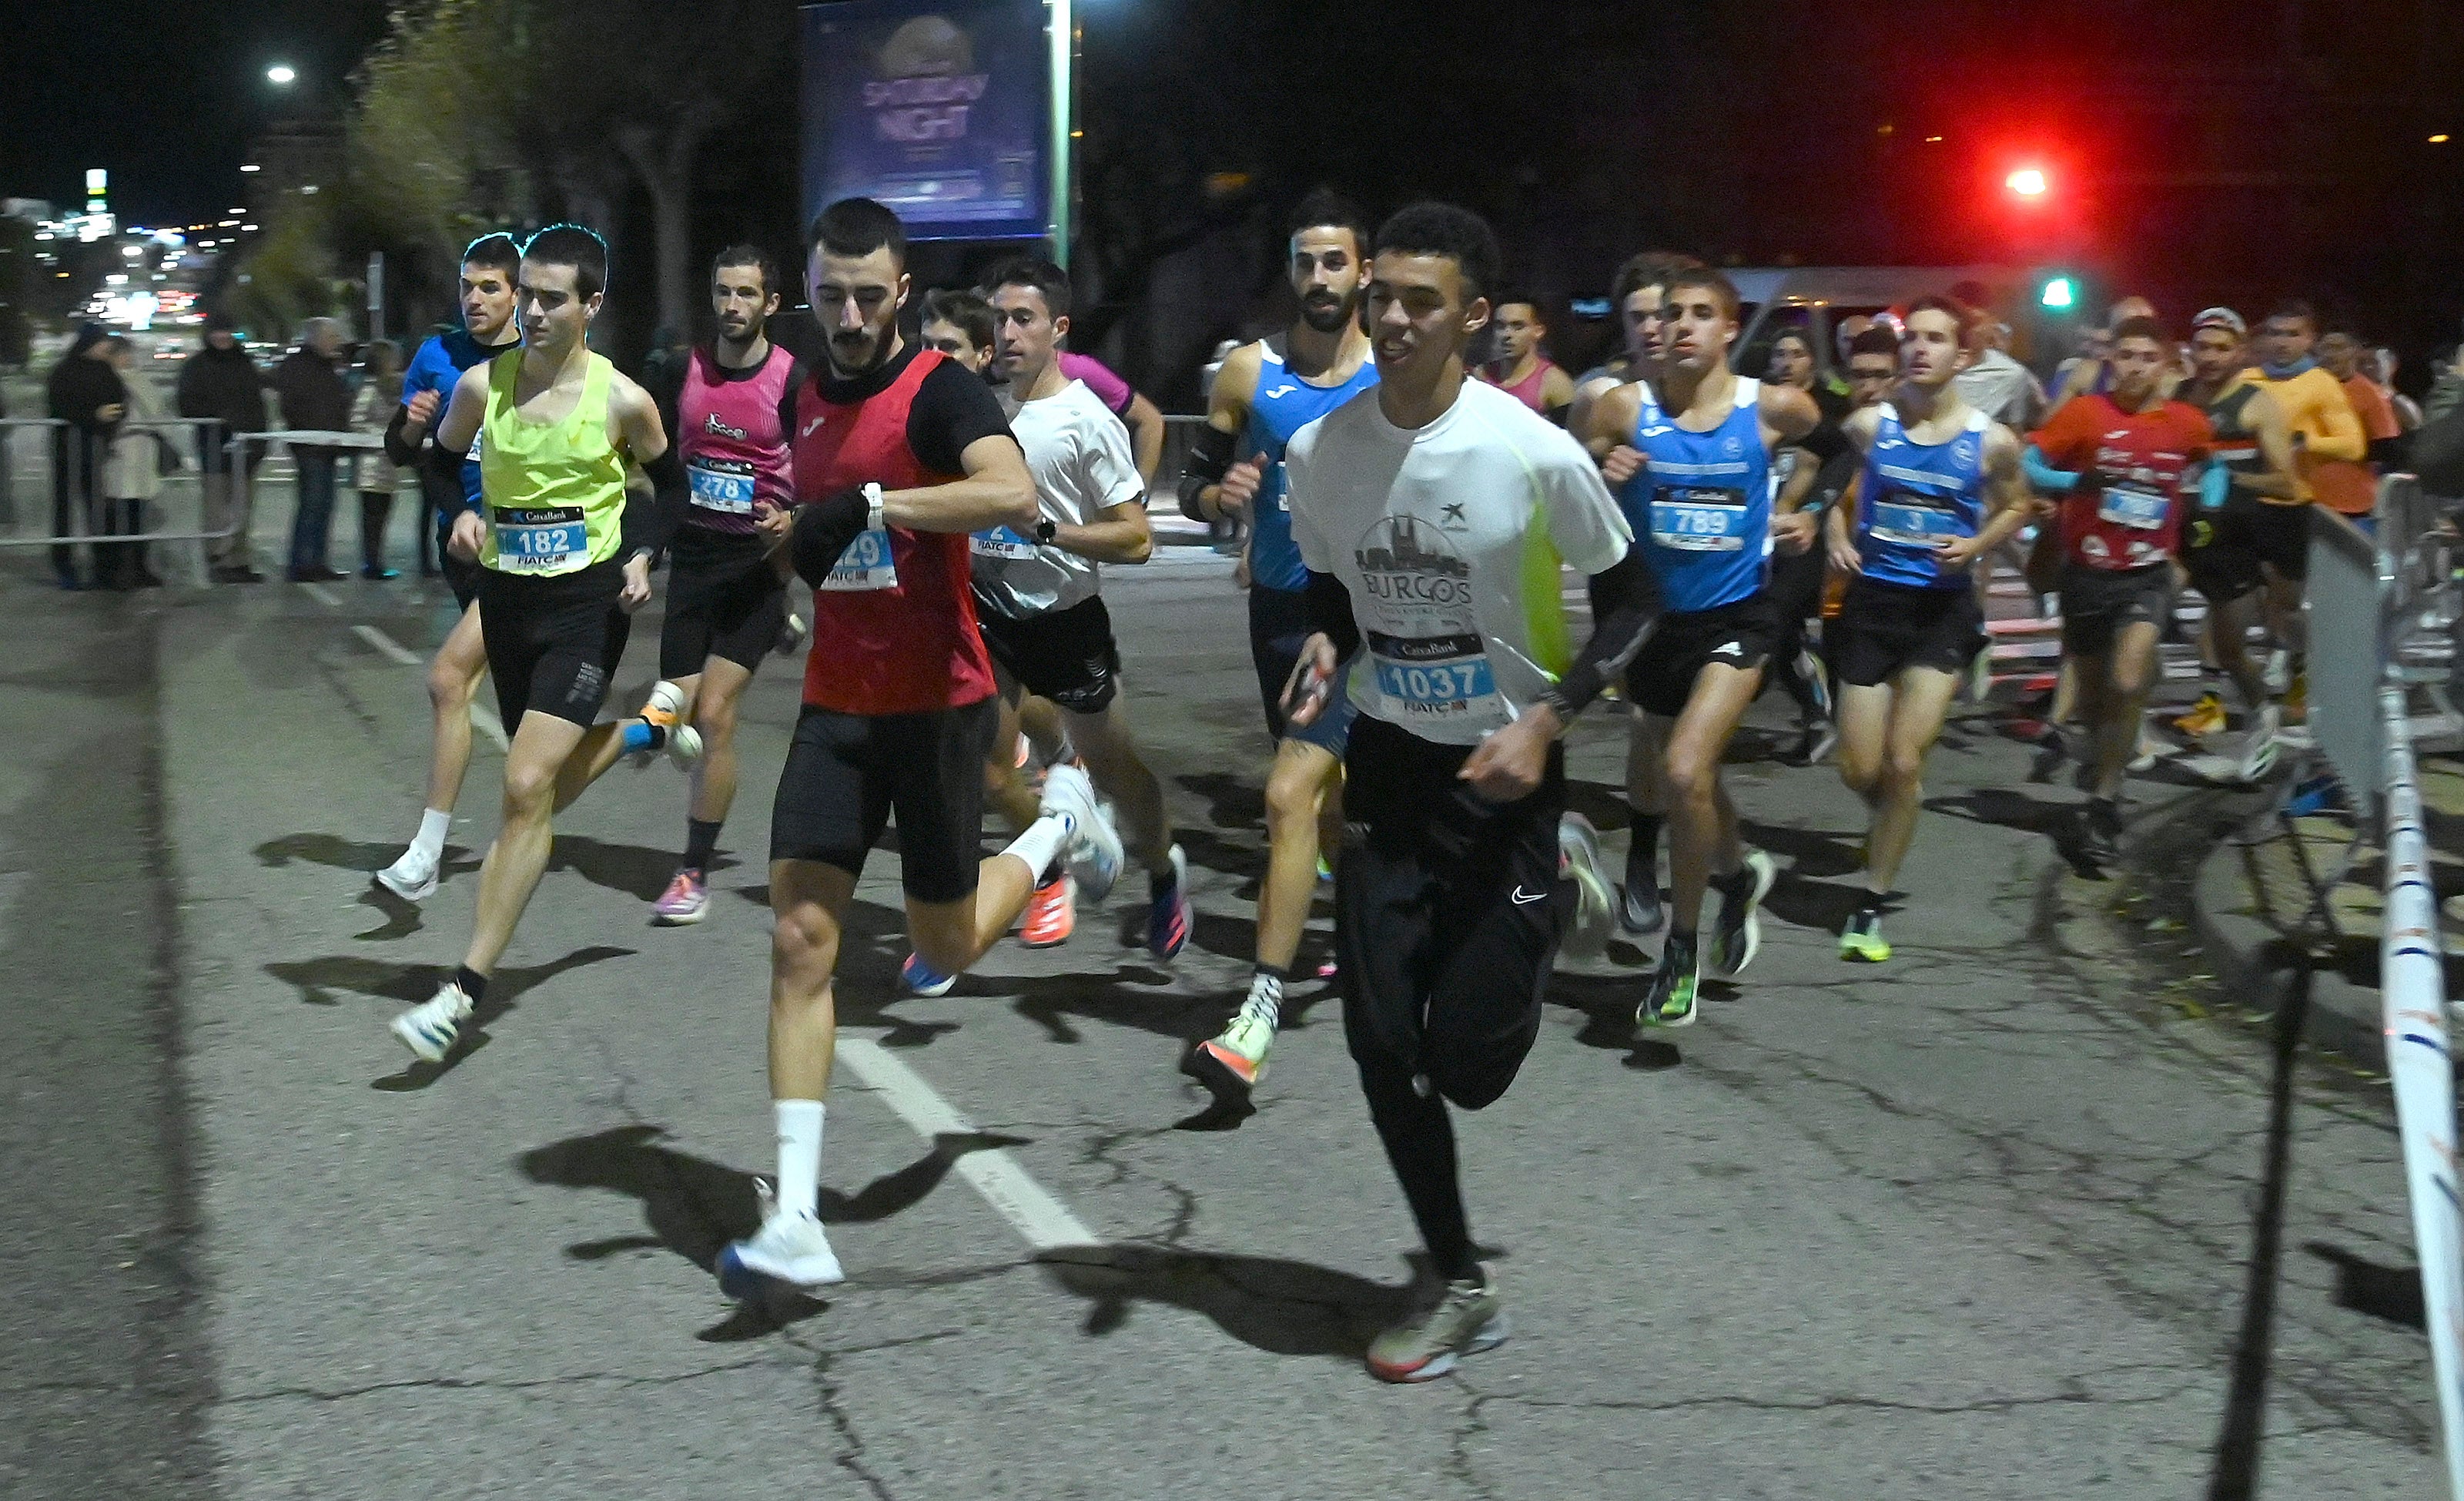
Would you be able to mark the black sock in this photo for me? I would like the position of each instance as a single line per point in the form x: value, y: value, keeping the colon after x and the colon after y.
x: 1870, y: 902
x: 1735, y: 886
x: 1643, y: 852
x: 1277, y: 973
x: 1160, y: 882
x: 471, y: 984
x: 701, y: 842
x: 1419, y: 1145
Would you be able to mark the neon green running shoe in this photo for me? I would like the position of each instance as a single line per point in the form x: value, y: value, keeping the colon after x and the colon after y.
x: 1670, y: 1000
x: 1862, y: 939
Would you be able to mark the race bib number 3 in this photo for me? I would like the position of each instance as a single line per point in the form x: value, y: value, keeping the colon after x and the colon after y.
x: 1698, y: 520
x: 1913, y: 525
x: 2144, y: 509
x: 866, y: 564
x: 723, y: 489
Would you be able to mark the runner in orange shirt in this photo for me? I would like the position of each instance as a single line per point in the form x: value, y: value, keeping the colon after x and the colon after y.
x: 2323, y: 430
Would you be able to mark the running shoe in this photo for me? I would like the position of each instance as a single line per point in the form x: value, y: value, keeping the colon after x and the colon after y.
x: 1641, y: 911
x: 2148, y: 752
x: 1051, y: 917
x: 1168, y: 912
x: 920, y: 978
x: 2052, y: 750
x: 410, y: 877
x: 1739, y: 936
x: 789, y: 1250
x: 1817, y: 683
x: 1234, y: 1062
x: 1324, y: 872
x: 1025, y: 749
x: 2101, y: 835
x: 1094, y: 847
x: 1466, y: 1319
x: 431, y: 1028
x: 1862, y: 939
x: 2205, y: 718
x: 1818, y: 742
x: 1578, y: 860
x: 792, y: 633
x: 1670, y: 1000
x: 2259, y: 746
x: 685, y: 901
x: 665, y: 705
x: 2278, y: 675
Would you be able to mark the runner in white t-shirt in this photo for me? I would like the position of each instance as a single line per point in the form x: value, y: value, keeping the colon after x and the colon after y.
x: 1433, y: 515
x: 1041, y: 615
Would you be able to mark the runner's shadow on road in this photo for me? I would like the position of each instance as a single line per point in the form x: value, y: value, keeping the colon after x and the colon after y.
x: 695, y: 1207
x: 635, y: 869
x: 1231, y: 803
x: 349, y: 855
x: 1282, y: 1307
x: 320, y: 979
x: 1607, y: 1005
x: 1052, y: 1002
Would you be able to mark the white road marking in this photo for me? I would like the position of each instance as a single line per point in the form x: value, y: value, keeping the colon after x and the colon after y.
x: 1044, y: 1223
x: 483, y: 716
x: 386, y: 645
x: 321, y: 595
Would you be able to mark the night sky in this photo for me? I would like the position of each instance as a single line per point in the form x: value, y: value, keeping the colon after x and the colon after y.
x: 165, y: 96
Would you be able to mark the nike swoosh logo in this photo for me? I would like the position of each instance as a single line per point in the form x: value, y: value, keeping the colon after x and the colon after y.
x: 1521, y: 898
x: 810, y: 425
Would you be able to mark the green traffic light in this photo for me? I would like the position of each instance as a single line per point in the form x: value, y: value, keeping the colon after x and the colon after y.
x: 2059, y: 292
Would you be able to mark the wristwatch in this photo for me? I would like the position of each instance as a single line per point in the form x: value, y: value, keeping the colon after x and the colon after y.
x: 1046, y: 531
x: 873, y: 505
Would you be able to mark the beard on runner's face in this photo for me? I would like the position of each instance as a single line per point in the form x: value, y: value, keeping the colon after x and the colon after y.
x: 1323, y: 309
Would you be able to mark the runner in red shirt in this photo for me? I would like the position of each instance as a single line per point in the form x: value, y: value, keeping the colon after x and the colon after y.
x: 2115, y: 461
x: 898, y: 454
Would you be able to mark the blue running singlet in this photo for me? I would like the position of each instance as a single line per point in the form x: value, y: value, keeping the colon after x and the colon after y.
x: 1917, y: 495
x: 1282, y: 405
x: 1703, y: 507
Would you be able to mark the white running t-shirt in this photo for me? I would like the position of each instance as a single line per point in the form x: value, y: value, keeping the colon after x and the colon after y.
x: 1079, y: 455
x: 1449, y: 540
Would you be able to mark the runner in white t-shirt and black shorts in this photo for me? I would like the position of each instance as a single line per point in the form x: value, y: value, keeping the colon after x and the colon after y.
x: 1042, y: 616
x: 1434, y: 514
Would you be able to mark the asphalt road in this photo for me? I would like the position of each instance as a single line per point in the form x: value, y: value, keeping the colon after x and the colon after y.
x: 1973, y: 1223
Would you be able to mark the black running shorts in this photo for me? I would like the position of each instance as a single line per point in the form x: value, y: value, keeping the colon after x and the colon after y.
x: 724, y: 600
x: 2220, y: 552
x: 553, y: 644
x: 461, y: 574
x: 1066, y: 655
x: 848, y: 773
x: 2279, y: 534
x: 1447, y: 914
x: 1739, y: 634
x: 1279, y: 627
x: 1884, y: 629
x: 2097, y: 603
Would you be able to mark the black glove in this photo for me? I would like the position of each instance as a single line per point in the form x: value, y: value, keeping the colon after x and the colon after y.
x: 823, y: 531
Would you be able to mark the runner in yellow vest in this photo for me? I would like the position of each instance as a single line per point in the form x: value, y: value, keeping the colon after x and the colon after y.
x: 557, y: 426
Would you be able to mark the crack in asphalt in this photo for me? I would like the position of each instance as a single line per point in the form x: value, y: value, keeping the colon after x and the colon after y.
x: 852, y: 1445
x: 465, y: 1383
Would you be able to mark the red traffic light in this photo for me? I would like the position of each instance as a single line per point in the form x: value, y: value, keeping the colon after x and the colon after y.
x: 2028, y: 182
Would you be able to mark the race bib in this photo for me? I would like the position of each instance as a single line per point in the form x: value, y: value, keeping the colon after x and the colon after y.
x: 1441, y: 679
x: 2142, y: 509
x: 721, y: 485
x: 1000, y: 542
x: 1690, y: 519
x: 1908, y: 520
x: 540, y: 542
x: 866, y: 564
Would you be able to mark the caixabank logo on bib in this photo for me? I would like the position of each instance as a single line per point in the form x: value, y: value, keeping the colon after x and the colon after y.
x: 1406, y: 563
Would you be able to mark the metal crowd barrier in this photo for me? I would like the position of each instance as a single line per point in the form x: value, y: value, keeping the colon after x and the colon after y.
x: 85, y: 497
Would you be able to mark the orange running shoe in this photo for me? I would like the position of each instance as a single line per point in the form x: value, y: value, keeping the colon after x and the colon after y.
x: 1052, y: 914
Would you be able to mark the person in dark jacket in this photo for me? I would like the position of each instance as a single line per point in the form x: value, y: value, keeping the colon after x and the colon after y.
x: 315, y: 398
x: 222, y: 385
x: 85, y: 393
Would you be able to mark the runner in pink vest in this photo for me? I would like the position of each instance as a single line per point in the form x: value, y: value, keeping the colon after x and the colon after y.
x: 727, y: 598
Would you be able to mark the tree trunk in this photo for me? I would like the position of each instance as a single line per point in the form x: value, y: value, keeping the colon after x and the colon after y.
x: 666, y: 169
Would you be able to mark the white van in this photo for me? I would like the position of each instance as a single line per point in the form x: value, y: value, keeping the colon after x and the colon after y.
x: 1817, y: 299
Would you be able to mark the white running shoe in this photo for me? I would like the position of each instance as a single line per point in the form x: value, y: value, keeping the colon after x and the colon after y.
x: 431, y: 1028
x: 1094, y: 846
x: 1578, y: 860
x: 410, y: 877
x: 665, y: 708
x: 792, y: 633
x: 790, y: 1248
x: 2258, y: 745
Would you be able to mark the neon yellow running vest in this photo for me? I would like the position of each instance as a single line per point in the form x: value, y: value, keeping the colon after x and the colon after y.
x: 556, y: 490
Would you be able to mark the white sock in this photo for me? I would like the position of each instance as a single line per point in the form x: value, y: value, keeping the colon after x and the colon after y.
x: 1041, y: 845
x: 430, y: 845
x: 800, y: 1156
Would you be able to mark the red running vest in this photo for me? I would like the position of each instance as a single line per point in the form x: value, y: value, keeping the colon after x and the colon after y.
x: 894, y: 628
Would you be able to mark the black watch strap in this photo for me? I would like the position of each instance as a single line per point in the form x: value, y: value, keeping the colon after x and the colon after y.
x: 1046, y: 531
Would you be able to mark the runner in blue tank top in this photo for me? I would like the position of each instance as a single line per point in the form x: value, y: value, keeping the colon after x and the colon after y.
x: 1262, y: 396
x: 1941, y: 486
x: 1689, y: 451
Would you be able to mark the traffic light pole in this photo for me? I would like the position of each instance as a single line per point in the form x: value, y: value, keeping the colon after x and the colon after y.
x: 1062, y: 28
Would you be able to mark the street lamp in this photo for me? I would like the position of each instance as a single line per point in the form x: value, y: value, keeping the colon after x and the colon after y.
x: 281, y: 75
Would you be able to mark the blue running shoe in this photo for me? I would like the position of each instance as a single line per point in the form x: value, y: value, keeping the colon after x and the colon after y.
x: 923, y: 979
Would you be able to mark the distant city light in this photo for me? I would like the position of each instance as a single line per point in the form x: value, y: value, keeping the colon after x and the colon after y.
x: 281, y: 74
x: 249, y: 167
x: 2438, y: 139
x: 132, y: 251
x: 248, y: 226
x: 308, y: 188
x: 2028, y: 182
